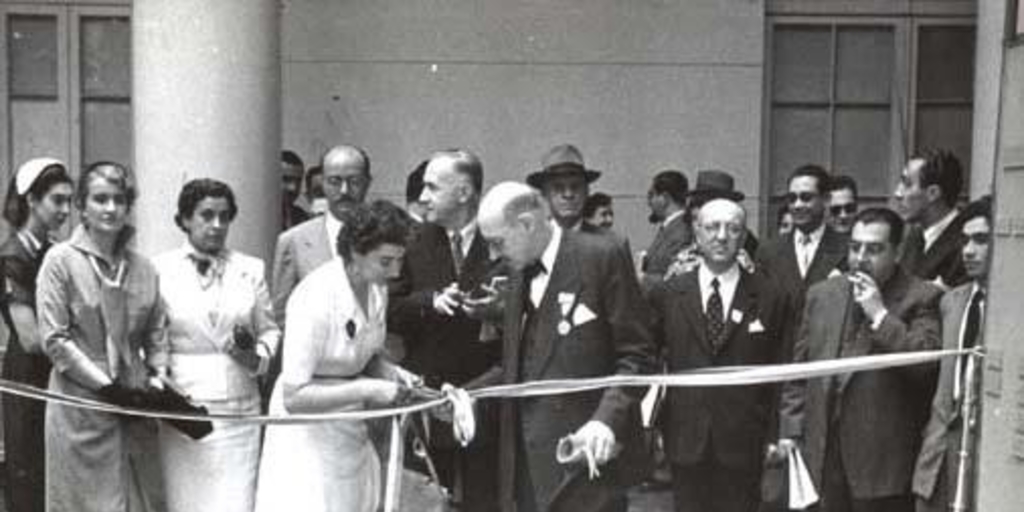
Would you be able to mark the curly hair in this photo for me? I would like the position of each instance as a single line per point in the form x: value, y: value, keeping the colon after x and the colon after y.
x: 114, y: 173
x: 198, y: 189
x: 368, y: 226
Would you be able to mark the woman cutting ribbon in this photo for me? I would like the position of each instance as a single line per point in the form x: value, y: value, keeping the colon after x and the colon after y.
x: 333, y: 362
x: 38, y: 203
x: 101, y: 323
x: 221, y: 336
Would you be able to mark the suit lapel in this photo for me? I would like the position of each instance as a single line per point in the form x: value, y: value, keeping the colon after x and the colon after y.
x: 742, y: 300
x: 688, y: 287
x: 564, y: 279
x: 513, y: 326
x: 789, y: 257
x: 318, y: 244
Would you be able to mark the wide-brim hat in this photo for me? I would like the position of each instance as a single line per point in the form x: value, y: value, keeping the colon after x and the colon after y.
x: 715, y: 184
x: 563, y: 160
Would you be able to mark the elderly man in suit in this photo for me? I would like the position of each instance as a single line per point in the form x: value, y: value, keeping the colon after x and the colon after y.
x: 813, y: 250
x: 926, y: 196
x: 573, y: 309
x: 667, y: 200
x: 565, y: 182
x: 859, y: 433
x: 720, y: 315
x: 303, y: 248
x: 963, y: 315
x: 438, y: 306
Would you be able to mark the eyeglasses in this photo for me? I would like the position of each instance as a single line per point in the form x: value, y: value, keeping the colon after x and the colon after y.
x: 804, y: 197
x: 838, y: 209
x: 732, y: 230
x: 356, y: 181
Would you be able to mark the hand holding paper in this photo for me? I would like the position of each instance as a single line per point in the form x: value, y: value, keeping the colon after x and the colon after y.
x: 593, y: 442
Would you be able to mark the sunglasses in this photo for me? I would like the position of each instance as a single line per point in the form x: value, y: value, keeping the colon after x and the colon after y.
x: 838, y: 209
x: 804, y: 197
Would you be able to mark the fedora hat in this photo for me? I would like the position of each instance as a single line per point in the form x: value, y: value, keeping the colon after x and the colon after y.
x: 563, y: 160
x: 714, y: 184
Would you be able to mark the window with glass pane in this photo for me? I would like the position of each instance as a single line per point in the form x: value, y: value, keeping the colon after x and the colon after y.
x: 945, y: 89
x: 105, y: 48
x: 832, y: 101
x: 33, y: 56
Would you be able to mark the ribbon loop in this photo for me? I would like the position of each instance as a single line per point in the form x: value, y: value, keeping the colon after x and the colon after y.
x: 463, y: 420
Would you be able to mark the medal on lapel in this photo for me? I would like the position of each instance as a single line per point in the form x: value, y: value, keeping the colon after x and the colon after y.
x: 565, y: 302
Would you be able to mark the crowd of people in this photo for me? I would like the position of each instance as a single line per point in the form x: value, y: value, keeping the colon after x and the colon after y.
x: 370, y: 305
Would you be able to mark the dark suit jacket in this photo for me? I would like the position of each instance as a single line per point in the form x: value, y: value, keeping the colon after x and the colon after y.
x: 599, y: 276
x: 877, y: 413
x: 942, y: 433
x: 668, y: 242
x: 777, y: 257
x: 740, y: 417
x: 943, y: 258
x: 442, y: 348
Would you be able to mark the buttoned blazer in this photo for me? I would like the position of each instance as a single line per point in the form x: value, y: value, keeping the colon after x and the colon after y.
x: 878, y: 413
x: 590, y: 273
x: 732, y: 424
x: 443, y: 348
x: 299, y: 251
x: 942, y: 424
x: 777, y: 258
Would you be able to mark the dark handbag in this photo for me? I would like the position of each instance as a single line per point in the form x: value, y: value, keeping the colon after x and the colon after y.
x: 169, y: 399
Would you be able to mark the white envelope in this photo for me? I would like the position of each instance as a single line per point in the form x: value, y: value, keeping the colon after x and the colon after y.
x: 582, y: 315
x: 755, y: 326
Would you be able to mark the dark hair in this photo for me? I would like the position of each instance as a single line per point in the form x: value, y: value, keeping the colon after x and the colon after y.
x: 814, y: 171
x: 414, y: 183
x: 466, y: 164
x: 113, y: 172
x: 198, y: 189
x: 595, y: 201
x: 368, y: 226
x: 780, y: 213
x: 672, y: 183
x: 291, y: 158
x: 314, y: 171
x: 886, y: 216
x: 843, y: 182
x: 941, y: 168
x: 981, y: 207
x: 16, y: 209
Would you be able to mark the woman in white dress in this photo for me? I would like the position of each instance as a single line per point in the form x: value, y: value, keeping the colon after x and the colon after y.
x: 333, y: 361
x: 221, y: 335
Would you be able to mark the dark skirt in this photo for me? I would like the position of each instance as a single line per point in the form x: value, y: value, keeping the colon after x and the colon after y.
x: 24, y: 431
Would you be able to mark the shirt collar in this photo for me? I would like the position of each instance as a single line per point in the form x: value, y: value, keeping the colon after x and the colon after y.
x: 467, y: 233
x: 933, y: 232
x: 547, y: 258
x: 668, y: 220
x: 815, y: 235
x: 333, y: 226
x: 727, y: 278
x: 81, y: 240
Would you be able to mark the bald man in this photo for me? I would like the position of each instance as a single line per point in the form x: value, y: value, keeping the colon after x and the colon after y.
x: 573, y: 309
x: 303, y: 248
x: 719, y: 315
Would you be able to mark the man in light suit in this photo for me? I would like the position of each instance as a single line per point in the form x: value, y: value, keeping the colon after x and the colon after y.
x: 667, y: 200
x: 573, y: 309
x: 859, y: 433
x: 963, y: 315
x: 720, y: 315
x: 813, y: 250
x: 926, y: 196
x: 303, y: 248
x: 447, y: 265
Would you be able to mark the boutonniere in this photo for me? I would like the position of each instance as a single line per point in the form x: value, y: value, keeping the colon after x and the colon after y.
x: 755, y: 326
x: 736, y: 316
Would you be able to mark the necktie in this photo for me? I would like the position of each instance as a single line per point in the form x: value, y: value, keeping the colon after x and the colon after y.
x: 714, y: 324
x: 457, y: 258
x: 529, y: 273
x: 805, y: 253
x: 972, y: 328
x: 202, y: 264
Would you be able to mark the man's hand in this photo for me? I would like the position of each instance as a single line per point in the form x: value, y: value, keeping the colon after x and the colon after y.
x: 598, y: 439
x: 484, y: 307
x: 868, y: 296
x: 448, y: 300
x: 779, y: 452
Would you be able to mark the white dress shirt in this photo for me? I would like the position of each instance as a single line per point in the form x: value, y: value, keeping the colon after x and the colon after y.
x: 806, y: 249
x: 333, y: 226
x: 467, y: 233
x: 933, y: 232
x: 727, y: 283
x: 540, y: 283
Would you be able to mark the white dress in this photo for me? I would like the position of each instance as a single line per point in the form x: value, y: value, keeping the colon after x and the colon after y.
x: 219, y: 471
x: 332, y: 466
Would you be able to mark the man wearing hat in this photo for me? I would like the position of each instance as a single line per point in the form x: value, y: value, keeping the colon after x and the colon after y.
x: 565, y: 182
x: 716, y: 184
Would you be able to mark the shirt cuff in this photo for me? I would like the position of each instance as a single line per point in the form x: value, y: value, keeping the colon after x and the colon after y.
x: 263, y: 351
x: 876, y: 322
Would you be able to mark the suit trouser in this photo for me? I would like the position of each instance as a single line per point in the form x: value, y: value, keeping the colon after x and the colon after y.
x: 835, y: 490
x: 708, y: 486
x: 526, y: 498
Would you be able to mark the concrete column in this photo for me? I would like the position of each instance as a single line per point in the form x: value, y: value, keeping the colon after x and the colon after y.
x: 988, y: 63
x: 206, y: 81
